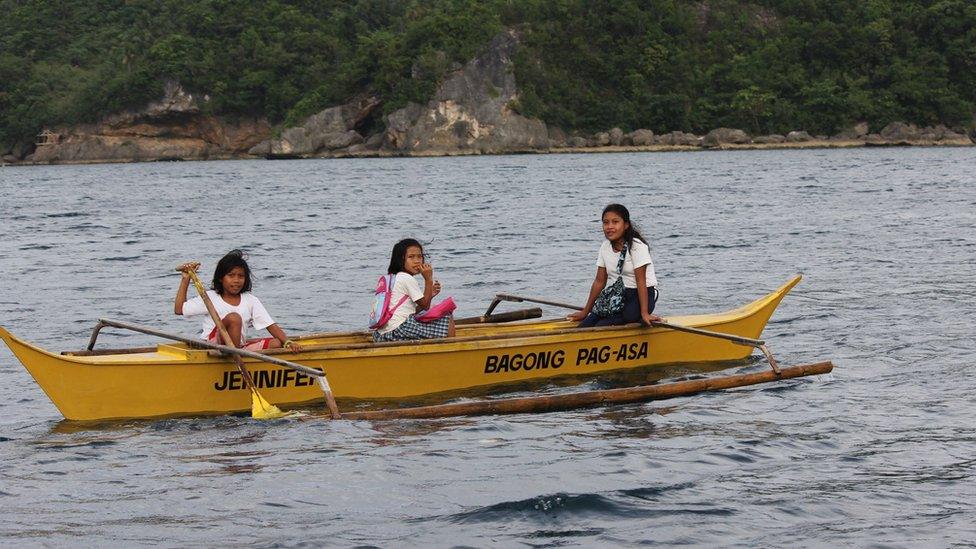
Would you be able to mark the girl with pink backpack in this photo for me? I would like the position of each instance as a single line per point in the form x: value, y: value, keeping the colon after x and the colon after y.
x: 398, y: 297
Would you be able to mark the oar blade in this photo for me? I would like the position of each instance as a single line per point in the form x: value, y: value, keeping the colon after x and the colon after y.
x: 262, y: 409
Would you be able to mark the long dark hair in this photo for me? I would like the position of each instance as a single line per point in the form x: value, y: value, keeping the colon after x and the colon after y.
x: 234, y: 258
x: 631, y: 233
x: 399, y: 255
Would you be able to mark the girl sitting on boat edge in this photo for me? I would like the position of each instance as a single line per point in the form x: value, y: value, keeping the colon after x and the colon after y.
x: 236, y: 306
x: 624, y: 255
x: 405, y: 298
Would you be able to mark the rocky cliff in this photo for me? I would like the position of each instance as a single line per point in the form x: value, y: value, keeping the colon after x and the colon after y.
x: 173, y: 128
x: 471, y: 112
x: 332, y: 129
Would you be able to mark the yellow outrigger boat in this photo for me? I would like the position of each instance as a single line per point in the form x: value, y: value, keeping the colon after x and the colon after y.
x: 174, y: 379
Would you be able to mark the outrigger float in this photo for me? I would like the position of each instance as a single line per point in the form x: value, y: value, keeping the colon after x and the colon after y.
x: 188, y: 377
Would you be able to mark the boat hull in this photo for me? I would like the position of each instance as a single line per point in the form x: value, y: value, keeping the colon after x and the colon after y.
x: 174, y: 380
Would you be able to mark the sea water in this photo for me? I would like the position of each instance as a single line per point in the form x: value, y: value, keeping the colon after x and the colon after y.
x: 878, y: 453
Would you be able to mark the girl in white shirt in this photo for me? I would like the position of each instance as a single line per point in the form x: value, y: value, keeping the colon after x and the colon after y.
x: 640, y: 282
x: 407, y: 261
x: 236, y: 306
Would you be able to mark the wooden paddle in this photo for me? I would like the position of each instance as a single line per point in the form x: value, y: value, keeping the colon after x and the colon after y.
x: 258, y: 403
x: 748, y: 342
x: 257, y: 400
x: 260, y: 408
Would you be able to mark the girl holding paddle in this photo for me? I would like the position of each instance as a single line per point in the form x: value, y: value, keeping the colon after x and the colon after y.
x: 624, y: 255
x: 237, y: 307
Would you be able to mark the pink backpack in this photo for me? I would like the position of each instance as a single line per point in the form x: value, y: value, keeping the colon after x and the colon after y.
x: 440, y: 310
x: 381, y: 312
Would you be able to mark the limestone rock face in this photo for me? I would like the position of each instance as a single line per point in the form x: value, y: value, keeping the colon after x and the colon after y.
x: 616, y: 136
x: 176, y: 104
x: 721, y: 136
x: 172, y: 128
x: 680, y: 138
x: 330, y: 129
x: 856, y: 132
x: 18, y: 151
x: 557, y: 137
x: 600, y: 139
x: 772, y: 138
x: 105, y: 148
x: 798, y: 137
x: 472, y: 111
x: 641, y: 138
x: 900, y: 132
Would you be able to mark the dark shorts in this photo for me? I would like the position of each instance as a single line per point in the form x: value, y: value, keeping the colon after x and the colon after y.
x: 630, y: 313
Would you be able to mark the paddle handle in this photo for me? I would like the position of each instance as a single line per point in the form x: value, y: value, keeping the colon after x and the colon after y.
x: 221, y: 329
x: 748, y: 342
x: 200, y: 344
x: 677, y: 327
x: 224, y: 334
x: 323, y: 382
x: 519, y: 299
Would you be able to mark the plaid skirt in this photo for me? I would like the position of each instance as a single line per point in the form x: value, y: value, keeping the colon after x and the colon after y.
x: 413, y: 329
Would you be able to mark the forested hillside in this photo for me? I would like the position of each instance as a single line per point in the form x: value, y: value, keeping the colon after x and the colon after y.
x: 760, y: 65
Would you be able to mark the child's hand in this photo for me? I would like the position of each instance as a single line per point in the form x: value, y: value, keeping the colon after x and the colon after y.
x: 437, y: 287
x: 187, y: 267
x: 577, y: 316
x: 292, y: 346
x: 647, y: 318
x: 427, y: 272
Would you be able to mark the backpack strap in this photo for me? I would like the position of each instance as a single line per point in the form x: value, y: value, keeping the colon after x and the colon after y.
x: 623, y: 255
x: 395, y: 307
x: 402, y: 299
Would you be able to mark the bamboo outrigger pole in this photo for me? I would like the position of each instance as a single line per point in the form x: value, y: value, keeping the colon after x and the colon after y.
x: 553, y: 403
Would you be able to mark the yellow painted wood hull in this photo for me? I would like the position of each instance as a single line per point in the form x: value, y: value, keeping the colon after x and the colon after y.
x: 174, y: 380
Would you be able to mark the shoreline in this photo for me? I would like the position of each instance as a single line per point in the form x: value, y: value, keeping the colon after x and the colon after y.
x: 811, y: 144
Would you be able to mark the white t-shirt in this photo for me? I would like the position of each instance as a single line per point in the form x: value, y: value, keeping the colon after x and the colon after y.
x: 403, y: 285
x: 637, y: 256
x: 253, y: 314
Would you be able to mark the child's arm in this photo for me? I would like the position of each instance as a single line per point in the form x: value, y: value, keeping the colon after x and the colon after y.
x: 279, y: 334
x: 640, y: 275
x: 184, y: 285
x: 428, y: 273
x: 598, y: 284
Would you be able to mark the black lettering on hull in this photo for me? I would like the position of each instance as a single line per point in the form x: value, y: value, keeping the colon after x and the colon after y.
x: 495, y: 364
x: 232, y: 380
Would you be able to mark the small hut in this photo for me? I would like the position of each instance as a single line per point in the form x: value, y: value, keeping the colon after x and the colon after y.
x: 47, y: 137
